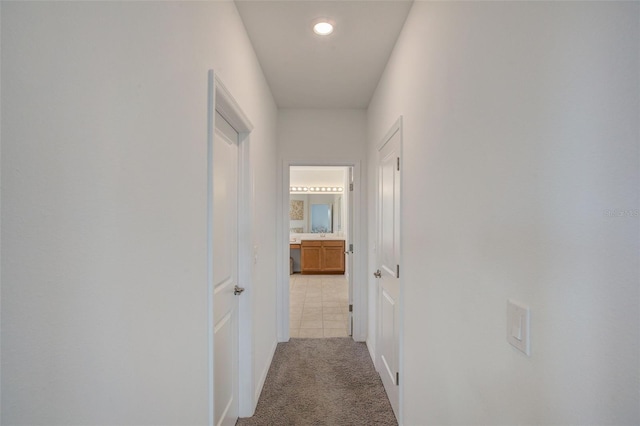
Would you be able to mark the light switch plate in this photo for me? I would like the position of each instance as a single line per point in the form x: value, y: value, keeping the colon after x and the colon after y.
x: 518, y: 324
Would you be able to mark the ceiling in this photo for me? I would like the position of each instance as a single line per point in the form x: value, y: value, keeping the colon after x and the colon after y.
x: 305, y: 70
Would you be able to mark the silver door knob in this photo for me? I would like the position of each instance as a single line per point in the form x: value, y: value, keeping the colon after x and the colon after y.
x: 238, y: 290
x: 377, y: 274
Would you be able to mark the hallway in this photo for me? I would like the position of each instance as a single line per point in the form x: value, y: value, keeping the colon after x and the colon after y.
x: 520, y: 167
x: 322, y: 382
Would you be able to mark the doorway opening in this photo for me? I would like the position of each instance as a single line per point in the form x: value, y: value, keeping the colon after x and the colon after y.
x: 319, y: 294
x: 320, y: 271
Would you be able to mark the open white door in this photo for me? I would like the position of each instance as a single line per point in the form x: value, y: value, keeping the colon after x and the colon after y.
x: 388, y: 261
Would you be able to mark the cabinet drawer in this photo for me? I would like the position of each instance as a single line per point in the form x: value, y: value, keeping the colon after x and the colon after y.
x: 333, y: 243
x: 307, y: 243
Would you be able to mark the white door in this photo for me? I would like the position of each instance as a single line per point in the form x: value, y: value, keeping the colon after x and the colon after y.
x: 225, y: 272
x: 388, y: 261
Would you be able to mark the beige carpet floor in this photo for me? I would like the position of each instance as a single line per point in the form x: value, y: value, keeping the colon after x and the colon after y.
x: 322, y: 382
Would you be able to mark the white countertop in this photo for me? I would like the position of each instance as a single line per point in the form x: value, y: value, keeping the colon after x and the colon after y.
x: 296, y: 238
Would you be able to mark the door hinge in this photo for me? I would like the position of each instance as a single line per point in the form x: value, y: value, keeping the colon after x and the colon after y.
x: 397, y: 271
x: 398, y: 163
x: 350, y: 187
x: 397, y: 379
x: 350, y: 308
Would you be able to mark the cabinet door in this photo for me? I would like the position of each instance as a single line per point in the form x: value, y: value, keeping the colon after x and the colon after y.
x: 310, y: 256
x: 333, y: 256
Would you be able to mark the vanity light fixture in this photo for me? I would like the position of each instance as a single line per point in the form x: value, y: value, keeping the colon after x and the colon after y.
x: 316, y: 189
x: 323, y: 28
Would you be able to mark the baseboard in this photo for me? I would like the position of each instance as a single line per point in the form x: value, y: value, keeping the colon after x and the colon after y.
x: 372, y: 352
x: 263, y: 375
x: 359, y: 337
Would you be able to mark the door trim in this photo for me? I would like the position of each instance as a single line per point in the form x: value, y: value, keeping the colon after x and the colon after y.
x: 395, y: 128
x: 359, y: 281
x: 220, y: 99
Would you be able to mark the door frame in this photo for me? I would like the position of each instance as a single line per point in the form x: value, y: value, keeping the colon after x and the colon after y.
x: 358, y: 279
x: 220, y: 99
x: 396, y: 127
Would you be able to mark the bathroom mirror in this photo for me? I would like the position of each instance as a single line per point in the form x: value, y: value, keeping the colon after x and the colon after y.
x: 302, y: 219
x: 321, y: 218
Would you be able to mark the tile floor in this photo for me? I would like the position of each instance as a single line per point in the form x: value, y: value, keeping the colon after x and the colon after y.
x: 319, y: 305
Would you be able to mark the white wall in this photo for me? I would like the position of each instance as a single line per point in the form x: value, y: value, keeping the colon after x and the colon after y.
x: 322, y: 134
x: 520, y: 134
x: 104, y: 310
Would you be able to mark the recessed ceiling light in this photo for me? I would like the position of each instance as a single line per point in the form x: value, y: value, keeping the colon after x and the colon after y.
x: 323, y: 28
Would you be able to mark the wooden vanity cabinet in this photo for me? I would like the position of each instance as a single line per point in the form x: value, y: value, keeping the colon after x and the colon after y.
x: 333, y: 257
x: 322, y: 256
x: 311, y: 257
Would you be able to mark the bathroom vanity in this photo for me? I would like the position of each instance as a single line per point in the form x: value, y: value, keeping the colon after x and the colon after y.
x: 316, y: 239
x: 320, y: 256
